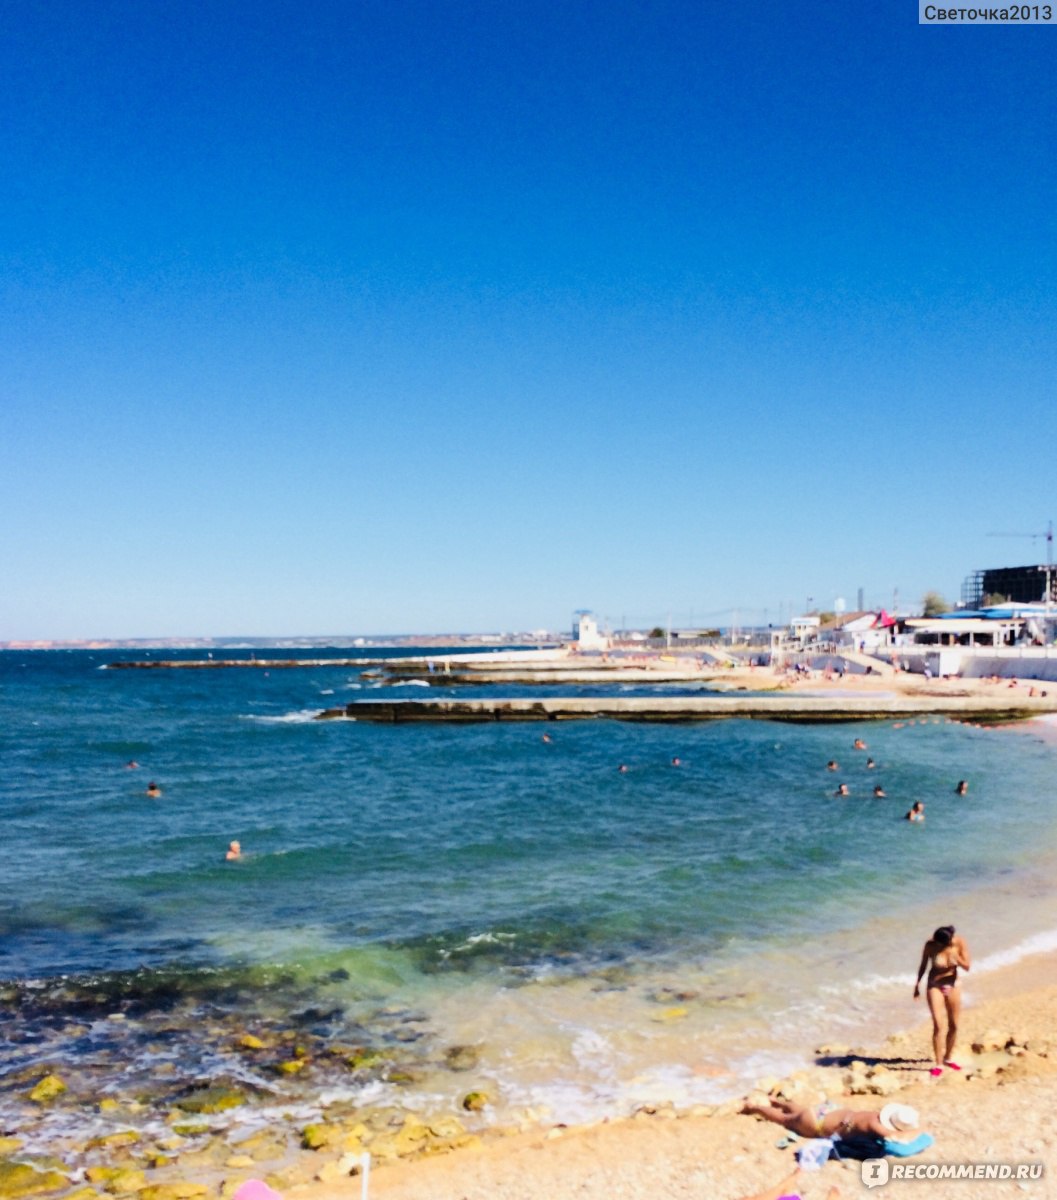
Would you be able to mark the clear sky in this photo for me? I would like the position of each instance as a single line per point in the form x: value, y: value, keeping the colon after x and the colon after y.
x: 395, y: 315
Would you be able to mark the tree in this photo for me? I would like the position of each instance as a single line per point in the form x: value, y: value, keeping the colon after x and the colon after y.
x: 656, y: 632
x: 933, y: 604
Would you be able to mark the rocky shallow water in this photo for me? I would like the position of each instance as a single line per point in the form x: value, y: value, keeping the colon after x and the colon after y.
x: 127, y: 1090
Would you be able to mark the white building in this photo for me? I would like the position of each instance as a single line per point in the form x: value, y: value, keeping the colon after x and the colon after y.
x: 586, y: 633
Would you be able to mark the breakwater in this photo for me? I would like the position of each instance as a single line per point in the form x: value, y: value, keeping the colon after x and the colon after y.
x: 782, y: 707
x: 206, y: 664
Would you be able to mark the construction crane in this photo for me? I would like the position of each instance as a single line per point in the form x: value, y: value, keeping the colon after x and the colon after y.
x: 1048, y: 535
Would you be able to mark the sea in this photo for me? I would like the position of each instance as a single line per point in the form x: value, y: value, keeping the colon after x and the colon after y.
x: 422, y: 910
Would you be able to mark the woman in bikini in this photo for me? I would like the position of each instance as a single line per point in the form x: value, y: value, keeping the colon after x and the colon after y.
x: 944, y: 953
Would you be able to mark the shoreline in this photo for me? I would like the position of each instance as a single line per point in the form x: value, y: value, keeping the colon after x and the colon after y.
x: 1006, y: 1094
x: 700, y: 1149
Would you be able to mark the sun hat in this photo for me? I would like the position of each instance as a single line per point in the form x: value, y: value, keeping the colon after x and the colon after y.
x: 898, y: 1117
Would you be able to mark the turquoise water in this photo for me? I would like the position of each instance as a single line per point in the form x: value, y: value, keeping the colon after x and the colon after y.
x: 460, y: 870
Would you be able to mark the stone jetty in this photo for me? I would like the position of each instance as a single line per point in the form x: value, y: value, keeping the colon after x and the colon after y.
x: 267, y: 664
x: 788, y: 706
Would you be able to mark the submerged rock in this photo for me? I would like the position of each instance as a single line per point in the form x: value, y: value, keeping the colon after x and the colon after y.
x: 50, y: 1087
x: 362, y: 1059
x: 211, y: 1100
x: 113, y: 1141
x: 462, y: 1058
x: 118, y: 1181
x: 262, y: 1146
x: 20, y: 1179
x: 318, y: 1136
x: 173, y: 1191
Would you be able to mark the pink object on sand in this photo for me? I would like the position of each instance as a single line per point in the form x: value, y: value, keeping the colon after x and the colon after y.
x: 256, y: 1189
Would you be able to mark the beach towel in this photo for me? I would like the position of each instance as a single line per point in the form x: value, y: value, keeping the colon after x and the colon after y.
x: 906, y: 1149
x: 866, y: 1147
x: 814, y: 1153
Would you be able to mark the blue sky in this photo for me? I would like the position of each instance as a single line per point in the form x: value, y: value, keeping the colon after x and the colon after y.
x: 373, y: 317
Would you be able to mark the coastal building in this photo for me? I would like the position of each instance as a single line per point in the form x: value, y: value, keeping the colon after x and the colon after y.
x: 804, y: 629
x: 964, y: 629
x: 864, y: 630
x: 586, y: 633
x: 1018, y: 585
x: 992, y: 625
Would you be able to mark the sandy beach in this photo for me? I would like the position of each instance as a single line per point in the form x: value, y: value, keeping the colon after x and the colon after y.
x: 1001, y: 1108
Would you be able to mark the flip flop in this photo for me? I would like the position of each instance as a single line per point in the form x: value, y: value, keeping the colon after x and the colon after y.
x: 936, y: 1071
x: 953, y: 1066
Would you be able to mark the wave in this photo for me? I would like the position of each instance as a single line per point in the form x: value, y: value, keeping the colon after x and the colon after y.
x: 1038, y: 943
x: 302, y: 717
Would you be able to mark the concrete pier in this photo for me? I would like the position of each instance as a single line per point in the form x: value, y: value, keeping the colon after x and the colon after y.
x: 565, y: 678
x: 267, y: 664
x: 782, y: 707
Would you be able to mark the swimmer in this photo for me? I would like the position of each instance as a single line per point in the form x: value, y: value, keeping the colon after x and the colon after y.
x: 622, y: 769
x: 879, y: 792
x: 132, y: 765
x: 962, y: 788
x: 547, y: 738
x: 916, y: 813
x: 153, y: 790
x: 842, y: 790
x: 870, y: 764
x: 234, y: 851
x: 677, y: 762
x: 833, y: 765
x: 946, y: 952
x: 858, y: 744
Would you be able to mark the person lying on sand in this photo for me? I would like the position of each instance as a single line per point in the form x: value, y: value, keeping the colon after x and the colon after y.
x: 825, y: 1122
x: 789, y: 1189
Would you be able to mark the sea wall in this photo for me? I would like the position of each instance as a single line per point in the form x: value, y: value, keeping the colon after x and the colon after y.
x: 1004, y: 705
x: 1014, y: 662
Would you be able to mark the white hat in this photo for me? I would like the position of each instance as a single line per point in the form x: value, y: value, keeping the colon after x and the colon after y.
x: 898, y: 1117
